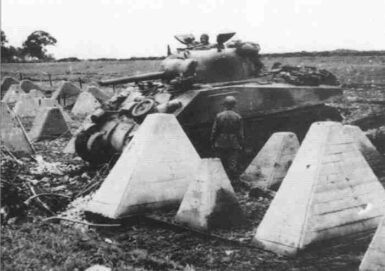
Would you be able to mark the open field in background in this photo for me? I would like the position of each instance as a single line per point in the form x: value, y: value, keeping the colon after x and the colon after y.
x: 349, y: 69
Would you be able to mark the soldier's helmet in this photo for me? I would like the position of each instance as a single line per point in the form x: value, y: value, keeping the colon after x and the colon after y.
x: 204, y: 38
x: 229, y: 101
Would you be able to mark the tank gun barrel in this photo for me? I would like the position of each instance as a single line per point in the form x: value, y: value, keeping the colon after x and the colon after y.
x: 138, y: 78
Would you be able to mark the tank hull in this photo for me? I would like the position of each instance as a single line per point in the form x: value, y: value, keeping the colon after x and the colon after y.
x: 265, y: 109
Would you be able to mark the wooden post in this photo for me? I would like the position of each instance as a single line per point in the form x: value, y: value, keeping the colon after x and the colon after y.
x: 80, y: 83
x: 20, y: 76
x: 50, y: 79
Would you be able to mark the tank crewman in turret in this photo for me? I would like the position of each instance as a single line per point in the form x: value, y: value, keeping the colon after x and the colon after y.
x: 227, y: 139
x: 204, y: 42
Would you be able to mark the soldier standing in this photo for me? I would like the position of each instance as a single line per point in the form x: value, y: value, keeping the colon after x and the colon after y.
x: 227, y: 138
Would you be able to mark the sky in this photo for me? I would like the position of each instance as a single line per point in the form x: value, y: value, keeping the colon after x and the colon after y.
x: 126, y: 28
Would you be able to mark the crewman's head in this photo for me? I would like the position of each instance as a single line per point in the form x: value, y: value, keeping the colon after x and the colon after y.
x: 229, y: 102
x: 204, y: 39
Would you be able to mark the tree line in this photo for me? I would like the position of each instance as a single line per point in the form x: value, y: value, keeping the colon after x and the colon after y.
x: 32, y: 49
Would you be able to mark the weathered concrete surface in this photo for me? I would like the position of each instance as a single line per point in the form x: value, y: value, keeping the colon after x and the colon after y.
x: 13, y: 135
x: 66, y: 94
x: 30, y: 104
x: 6, y: 83
x: 13, y: 94
x: 49, y: 123
x: 98, y: 93
x: 375, y: 160
x: 153, y: 171
x: 374, y: 259
x: 210, y: 201
x: 271, y: 164
x: 85, y: 104
x: 27, y: 86
x: 329, y: 191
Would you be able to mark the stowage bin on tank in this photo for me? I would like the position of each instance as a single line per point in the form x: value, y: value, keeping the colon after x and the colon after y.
x: 192, y: 84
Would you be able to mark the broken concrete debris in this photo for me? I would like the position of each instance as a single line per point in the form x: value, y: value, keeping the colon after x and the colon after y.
x: 271, y: 164
x: 329, y: 191
x: 210, y: 200
x: 151, y: 172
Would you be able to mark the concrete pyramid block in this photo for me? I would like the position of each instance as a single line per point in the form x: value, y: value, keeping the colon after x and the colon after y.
x: 374, y: 259
x: 99, y: 94
x: 85, y: 104
x: 13, y: 94
x: 6, y: 84
x: 329, y: 192
x: 153, y: 171
x: 375, y: 160
x: 271, y: 164
x: 30, y: 104
x: 26, y: 106
x: 13, y: 135
x: 66, y: 94
x: 49, y: 123
x: 210, y: 200
x: 27, y: 86
x: 35, y: 93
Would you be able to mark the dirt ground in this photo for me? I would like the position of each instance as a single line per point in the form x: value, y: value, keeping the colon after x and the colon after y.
x: 30, y: 243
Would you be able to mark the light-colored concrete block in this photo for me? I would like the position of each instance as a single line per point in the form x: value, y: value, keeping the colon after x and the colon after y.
x: 271, y: 164
x: 210, y: 200
x: 153, y: 171
x: 49, y: 123
x: 13, y: 135
x: 311, y: 207
x: 85, y: 104
x: 66, y: 94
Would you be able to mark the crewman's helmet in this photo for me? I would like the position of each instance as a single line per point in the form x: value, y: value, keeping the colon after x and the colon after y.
x: 230, y: 101
x: 204, y: 38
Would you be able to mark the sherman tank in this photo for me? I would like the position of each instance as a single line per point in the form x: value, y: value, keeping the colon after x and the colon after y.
x: 192, y: 84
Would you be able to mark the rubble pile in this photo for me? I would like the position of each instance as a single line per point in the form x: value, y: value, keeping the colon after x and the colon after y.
x: 303, y: 75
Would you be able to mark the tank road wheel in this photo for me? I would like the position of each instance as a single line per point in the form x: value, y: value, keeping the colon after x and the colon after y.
x: 141, y: 109
x: 92, y: 154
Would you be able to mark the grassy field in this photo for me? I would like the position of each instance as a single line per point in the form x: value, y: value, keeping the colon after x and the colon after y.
x: 350, y: 70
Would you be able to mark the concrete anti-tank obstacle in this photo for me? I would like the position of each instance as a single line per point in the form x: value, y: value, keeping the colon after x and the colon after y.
x: 13, y: 95
x: 98, y: 93
x: 153, y: 171
x: 6, y: 84
x: 375, y: 160
x: 85, y: 104
x: 66, y: 94
x: 27, y: 86
x: 49, y: 123
x: 271, y: 164
x: 374, y: 258
x: 329, y: 191
x: 210, y: 200
x: 13, y: 135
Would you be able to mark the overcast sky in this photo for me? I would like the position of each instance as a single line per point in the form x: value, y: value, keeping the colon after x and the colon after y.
x: 125, y: 28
